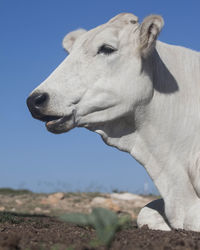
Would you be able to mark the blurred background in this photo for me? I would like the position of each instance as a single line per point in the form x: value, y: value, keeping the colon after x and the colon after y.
x: 31, y: 33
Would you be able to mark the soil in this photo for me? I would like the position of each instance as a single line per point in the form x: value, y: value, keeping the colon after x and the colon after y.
x: 34, y: 232
x: 29, y: 223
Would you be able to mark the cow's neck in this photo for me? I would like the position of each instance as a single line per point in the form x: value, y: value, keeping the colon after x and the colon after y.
x: 165, y: 135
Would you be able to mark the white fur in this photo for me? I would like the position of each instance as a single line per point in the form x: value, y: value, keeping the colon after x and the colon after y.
x: 143, y: 99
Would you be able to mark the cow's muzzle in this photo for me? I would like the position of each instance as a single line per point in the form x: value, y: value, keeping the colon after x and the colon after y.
x: 37, y: 103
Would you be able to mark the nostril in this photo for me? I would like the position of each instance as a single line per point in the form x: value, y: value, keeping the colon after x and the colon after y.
x: 37, y: 101
x: 40, y: 99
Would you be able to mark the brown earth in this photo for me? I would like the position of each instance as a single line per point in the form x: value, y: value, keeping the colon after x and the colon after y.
x: 41, y: 232
x: 27, y: 228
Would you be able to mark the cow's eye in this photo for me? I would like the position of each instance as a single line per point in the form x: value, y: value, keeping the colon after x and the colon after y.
x: 106, y: 49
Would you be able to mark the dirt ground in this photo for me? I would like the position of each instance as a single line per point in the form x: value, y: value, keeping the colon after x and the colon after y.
x: 36, y: 232
x: 22, y: 229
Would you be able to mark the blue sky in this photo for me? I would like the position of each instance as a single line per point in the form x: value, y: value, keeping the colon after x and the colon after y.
x: 31, y: 35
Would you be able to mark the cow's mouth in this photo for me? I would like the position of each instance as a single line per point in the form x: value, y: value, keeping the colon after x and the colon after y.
x: 48, y: 118
x: 59, y: 124
x: 54, y: 120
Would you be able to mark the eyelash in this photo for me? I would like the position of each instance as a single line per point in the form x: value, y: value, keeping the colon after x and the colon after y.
x: 106, y: 49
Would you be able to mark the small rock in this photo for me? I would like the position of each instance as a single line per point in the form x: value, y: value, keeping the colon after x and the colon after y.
x: 2, y: 209
x: 46, y: 211
x: 126, y: 196
x: 58, y: 196
x: 53, y: 198
x: 19, y: 202
x: 105, y: 203
x: 134, y: 199
x: 38, y: 209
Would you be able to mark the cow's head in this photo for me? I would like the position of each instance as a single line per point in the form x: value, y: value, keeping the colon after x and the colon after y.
x: 102, y: 79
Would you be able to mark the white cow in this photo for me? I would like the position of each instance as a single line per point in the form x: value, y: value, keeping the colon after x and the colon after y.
x: 143, y: 97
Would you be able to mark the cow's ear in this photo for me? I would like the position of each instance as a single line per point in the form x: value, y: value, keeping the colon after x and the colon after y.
x: 70, y: 39
x: 149, y: 31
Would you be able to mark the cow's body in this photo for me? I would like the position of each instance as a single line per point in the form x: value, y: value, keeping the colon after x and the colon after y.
x: 141, y: 98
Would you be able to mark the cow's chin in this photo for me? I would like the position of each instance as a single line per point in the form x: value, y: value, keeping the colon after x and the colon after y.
x: 61, y: 125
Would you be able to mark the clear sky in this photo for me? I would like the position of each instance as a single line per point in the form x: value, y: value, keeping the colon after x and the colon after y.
x: 31, y: 32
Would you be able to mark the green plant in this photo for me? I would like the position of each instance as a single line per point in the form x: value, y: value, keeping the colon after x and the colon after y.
x: 9, y: 217
x: 10, y: 191
x: 105, y: 222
